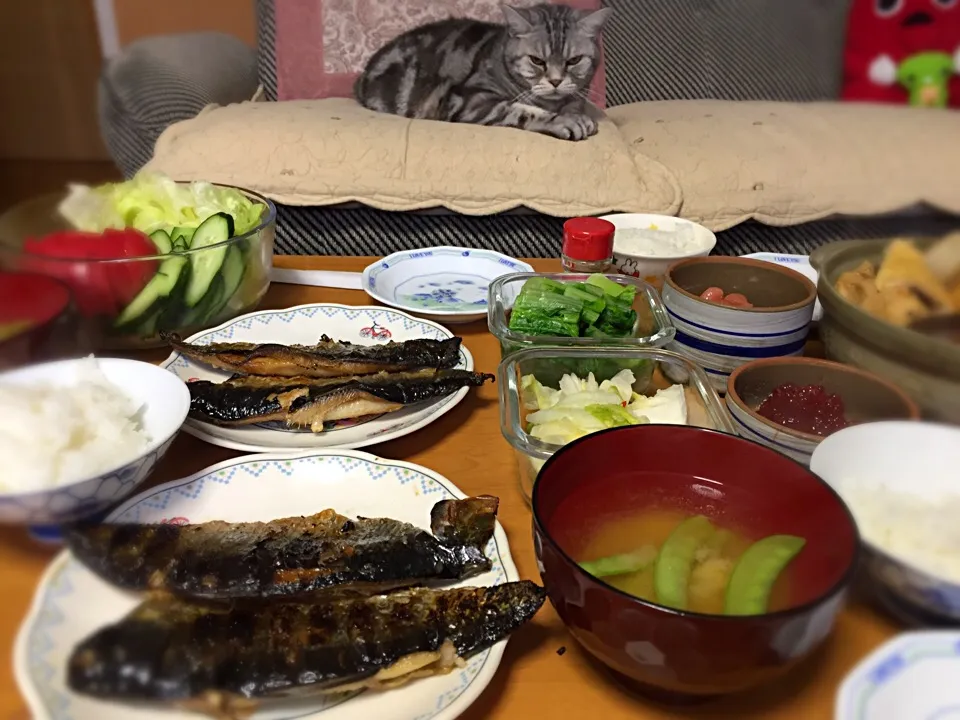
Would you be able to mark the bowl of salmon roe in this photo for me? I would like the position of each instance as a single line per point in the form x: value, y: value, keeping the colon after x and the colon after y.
x: 791, y: 404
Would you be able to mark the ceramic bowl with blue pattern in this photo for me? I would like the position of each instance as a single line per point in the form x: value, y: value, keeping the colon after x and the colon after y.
x: 919, y: 462
x: 721, y: 338
x: 165, y: 401
x: 446, y: 284
x: 912, y: 677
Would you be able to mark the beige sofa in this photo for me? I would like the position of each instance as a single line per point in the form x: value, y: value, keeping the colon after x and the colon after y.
x: 719, y: 163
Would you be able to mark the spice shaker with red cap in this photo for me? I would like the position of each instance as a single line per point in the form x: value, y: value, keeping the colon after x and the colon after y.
x: 587, y: 245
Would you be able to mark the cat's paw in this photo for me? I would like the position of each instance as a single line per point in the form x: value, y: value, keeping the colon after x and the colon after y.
x: 572, y: 127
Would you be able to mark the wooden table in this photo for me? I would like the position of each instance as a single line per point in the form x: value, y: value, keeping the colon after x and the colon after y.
x: 465, y: 446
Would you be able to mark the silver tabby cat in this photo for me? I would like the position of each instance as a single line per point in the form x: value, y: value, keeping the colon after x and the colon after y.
x: 533, y: 72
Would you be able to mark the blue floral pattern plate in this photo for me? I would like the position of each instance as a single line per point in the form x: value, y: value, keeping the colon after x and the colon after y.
x: 912, y: 677
x: 447, y: 284
x: 71, y: 602
x: 305, y: 324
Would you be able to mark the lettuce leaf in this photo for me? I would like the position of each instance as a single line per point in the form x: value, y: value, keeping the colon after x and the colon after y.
x: 150, y: 201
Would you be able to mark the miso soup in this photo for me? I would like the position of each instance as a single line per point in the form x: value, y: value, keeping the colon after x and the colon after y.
x: 690, y: 562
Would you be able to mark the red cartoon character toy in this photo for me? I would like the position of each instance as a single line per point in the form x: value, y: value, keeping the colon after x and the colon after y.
x: 903, y: 51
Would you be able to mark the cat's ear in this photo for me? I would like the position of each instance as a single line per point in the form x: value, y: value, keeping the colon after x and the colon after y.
x: 517, y: 24
x: 593, y: 23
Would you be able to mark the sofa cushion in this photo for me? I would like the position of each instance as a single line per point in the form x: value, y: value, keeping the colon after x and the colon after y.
x: 785, y: 163
x: 326, y: 152
x: 724, y: 49
x: 316, y: 48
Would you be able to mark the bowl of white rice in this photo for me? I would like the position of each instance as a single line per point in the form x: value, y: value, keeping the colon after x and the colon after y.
x: 645, y: 245
x: 78, y: 435
x: 901, y: 481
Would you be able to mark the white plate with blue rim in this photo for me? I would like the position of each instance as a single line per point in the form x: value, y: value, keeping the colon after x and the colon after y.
x: 71, y: 602
x: 304, y: 325
x: 446, y: 284
x: 800, y: 263
x: 912, y: 677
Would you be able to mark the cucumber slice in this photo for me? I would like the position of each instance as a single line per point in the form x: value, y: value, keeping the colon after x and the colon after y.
x: 180, y: 245
x: 205, y: 265
x: 183, y: 232
x: 231, y: 275
x: 162, y: 240
x: 671, y: 575
x: 160, y: 287
x: 754, y: 575
x: 199, y: 313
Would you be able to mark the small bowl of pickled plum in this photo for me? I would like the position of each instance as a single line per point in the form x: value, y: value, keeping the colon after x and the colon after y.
x: 691, y: 563
x: 728, y: 311
x: 792, y: 404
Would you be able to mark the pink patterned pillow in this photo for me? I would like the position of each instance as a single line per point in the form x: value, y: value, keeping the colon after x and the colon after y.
x: 322, y: 45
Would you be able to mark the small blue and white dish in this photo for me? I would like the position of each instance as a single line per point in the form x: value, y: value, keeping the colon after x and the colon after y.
x: 800, y: 263
x: 720, y: 338
x: 445, y: 284
x: 912, y: 677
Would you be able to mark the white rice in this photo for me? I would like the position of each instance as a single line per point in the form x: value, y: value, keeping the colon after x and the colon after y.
x: 923, y: 533
x: 655, y: 242
x: 53, y: 435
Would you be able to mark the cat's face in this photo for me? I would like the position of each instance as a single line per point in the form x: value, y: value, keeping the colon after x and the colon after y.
x: 553, y: 48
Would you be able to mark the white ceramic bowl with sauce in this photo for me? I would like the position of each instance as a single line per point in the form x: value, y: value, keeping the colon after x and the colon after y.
x: 920, y: 460
x: 721, y: 338
x: 643, y: 258
x: 164, y: 401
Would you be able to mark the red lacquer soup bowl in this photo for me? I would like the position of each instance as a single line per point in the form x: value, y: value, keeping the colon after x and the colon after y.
x: 37, y: 321
x: 736, y: 483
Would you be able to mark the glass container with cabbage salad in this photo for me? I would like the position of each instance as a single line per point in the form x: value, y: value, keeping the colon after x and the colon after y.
x: 601, y: 388
x: 147, y: 255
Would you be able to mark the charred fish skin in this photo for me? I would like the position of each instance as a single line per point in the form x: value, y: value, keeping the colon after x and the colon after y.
x: 309, y: 404
x: 172, y: 650
x: 290, y: 557
x: 328, y: 358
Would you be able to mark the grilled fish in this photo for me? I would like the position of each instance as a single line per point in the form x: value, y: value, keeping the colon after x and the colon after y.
x: 290, y: 557
x: 328, y: 358
x: 178, y: 651
x: 311, y: 402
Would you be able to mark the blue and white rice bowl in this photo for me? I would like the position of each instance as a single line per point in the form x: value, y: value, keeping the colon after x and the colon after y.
x: 721, y: 338
x: 918, y: 461
x: 163, y: 401
x: 445, y: 284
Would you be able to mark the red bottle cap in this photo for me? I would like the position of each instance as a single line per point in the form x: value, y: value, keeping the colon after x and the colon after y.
x: 588, y: 238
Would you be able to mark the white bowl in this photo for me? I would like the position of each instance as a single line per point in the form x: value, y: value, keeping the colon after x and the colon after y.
x: 720, y: 338
x: 916, y: 458
x: 649, y: 266
x: 446, y: 284
x: 912, y: 677
x: 166, y: 401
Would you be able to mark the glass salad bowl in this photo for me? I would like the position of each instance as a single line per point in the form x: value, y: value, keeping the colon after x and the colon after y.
x: 652, y: 327
x: 667, y: 388
x: 132, y: 286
